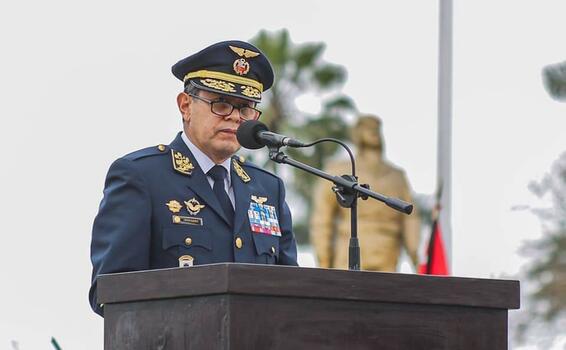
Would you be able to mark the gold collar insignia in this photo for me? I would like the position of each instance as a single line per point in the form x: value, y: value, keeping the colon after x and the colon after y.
x: 181, y: 163
x: 240, y: 171
x: 259, y: 200
x: 193, y: 206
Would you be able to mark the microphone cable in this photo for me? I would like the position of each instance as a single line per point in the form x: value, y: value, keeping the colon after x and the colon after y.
x: 344, y: 145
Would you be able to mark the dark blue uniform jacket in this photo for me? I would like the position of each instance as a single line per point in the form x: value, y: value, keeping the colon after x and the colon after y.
x: 139, y: 225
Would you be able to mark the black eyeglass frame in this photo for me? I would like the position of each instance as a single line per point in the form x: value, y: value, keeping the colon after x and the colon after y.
x: 239, y: 108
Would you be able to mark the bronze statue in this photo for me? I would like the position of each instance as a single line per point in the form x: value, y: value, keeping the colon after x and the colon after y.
x: 382, y: 231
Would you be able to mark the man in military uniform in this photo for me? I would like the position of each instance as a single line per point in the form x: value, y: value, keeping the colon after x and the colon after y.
x: 193, y: 202
x: 382, y: 231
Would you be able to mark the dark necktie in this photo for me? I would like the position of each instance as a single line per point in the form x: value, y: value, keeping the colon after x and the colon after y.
x: 218, y: 173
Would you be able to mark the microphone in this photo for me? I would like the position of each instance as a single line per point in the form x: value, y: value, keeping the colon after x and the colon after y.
x: 253, y: 134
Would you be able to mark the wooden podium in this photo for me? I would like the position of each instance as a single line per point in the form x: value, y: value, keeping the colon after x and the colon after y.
x: 244, y: 306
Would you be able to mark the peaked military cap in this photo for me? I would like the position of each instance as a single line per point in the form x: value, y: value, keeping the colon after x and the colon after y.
x: 234, y: 68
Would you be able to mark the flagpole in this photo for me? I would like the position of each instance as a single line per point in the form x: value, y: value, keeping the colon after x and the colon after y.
x: 444, y: 153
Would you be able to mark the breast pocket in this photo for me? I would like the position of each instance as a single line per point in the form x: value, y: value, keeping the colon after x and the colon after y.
x: 267, y: 248
x: 192, y: 241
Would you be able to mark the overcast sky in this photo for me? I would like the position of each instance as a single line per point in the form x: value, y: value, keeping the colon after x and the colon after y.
x: 83, y: 83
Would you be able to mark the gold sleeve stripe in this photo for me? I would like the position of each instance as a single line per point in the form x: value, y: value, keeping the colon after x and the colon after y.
x: 224, y: 76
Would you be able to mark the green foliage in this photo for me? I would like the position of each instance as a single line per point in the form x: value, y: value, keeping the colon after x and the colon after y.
x: 548, y: 268
x: 554, y: 79
x: 55, y: 343
x: 299, y: 69
x: 547, y: 265
x: 329, y: 75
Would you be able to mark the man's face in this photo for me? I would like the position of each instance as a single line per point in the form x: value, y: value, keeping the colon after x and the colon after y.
x: 214, y: 135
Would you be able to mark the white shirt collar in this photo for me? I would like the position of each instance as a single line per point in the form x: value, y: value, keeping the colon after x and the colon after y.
x: 203, y: 160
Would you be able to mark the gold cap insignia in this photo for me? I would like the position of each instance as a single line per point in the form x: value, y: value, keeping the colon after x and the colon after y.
x: 241, y: 66
x: 181, y: 163
x: 193, y: 206
x: 244, y: 52
x: 240, y: 171
x: 174, y: 206
x: 259, y: 200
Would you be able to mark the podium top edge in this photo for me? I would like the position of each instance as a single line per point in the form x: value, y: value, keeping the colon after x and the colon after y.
x: 290, y: 281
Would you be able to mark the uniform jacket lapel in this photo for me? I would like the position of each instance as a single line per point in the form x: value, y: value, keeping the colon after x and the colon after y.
x: 242, y: 194
x: 197, y: 181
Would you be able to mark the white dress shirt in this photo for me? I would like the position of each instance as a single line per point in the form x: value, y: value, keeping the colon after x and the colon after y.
x: 206, y: 164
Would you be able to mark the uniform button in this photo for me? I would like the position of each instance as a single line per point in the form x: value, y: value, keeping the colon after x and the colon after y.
x: 176, y: 219
x: 188, y: 241
x: 239, y: 243
x: 273, y: 250
x: 161, y: 148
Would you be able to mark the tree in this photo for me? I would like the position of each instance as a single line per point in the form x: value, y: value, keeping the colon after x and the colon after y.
x: 299, y: 69
x: 547, y: 268
x: 554, y: 79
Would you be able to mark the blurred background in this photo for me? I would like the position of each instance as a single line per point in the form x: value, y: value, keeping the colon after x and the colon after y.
x: 83, y: 83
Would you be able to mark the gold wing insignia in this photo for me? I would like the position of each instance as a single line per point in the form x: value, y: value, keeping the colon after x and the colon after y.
x: 240, y: 171
x: 243, y: 52
x: 174, y: 206
x: 193, y: 206
x: 181, y: 163
x: 259, y: 200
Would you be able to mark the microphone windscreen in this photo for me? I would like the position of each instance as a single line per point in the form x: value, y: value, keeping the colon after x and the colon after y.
x: 247, y: 132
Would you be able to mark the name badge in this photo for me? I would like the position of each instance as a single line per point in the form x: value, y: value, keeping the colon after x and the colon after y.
x: 186, y: 220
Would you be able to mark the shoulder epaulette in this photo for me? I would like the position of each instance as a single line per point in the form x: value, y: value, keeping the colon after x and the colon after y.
x: 147, y: 152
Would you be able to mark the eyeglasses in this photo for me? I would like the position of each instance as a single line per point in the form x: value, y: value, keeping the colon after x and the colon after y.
x: 224, y: 109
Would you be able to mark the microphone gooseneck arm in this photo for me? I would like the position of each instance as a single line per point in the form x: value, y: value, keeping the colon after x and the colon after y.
x: 345, y: 146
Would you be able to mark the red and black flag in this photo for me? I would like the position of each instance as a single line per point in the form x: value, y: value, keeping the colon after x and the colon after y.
x: 436, y: 262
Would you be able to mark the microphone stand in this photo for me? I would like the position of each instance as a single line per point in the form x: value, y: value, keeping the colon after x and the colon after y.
x: 347, y: 191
